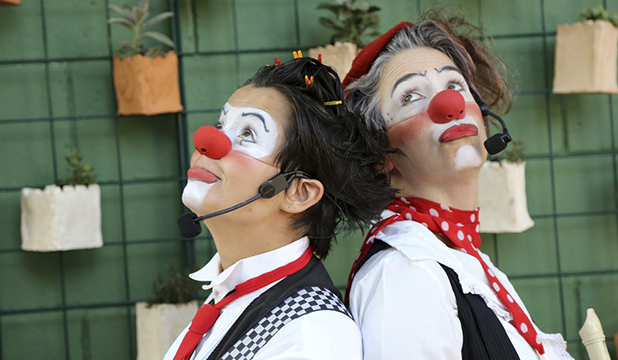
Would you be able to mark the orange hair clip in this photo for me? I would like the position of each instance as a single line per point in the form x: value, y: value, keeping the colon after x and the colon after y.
x: 297, y: 54
x: 308, y: 80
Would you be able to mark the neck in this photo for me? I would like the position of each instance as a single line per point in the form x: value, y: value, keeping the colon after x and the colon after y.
x: 237, y: 240
x: 458, y: 189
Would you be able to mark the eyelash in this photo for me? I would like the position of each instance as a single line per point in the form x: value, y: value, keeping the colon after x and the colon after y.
x: 408, y: 93
x: 458, y: 82
x: 251, y: 132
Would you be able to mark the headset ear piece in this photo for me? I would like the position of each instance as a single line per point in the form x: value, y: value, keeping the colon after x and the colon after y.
x: 273, y: 186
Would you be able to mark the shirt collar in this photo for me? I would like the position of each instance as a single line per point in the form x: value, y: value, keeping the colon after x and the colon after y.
x: 222, y: 282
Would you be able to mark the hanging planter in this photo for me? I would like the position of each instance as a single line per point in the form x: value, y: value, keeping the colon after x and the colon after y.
x: 10, y: 2
x: 351, y: 20
x: 502, y: 197
x: 159, y: 325
x: 66, y: 217
x: 61, y: 218
x: 586, y: 54
x: 338, y: 56
x: 161, y: 320
x: 145, y: 82
x: 147, y: 86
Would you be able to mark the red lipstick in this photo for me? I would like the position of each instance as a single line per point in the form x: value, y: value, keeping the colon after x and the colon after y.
x: 458, y: 132
x: 201, y: 175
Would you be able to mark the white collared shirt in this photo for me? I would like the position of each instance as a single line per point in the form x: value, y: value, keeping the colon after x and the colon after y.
x: 318, y: 335
x: 405, y: 306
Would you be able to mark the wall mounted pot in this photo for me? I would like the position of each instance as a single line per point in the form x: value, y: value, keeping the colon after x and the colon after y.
x: 147, y: 86
x: 61, y: 218
x: 502, y: 197
x: 159, y: 325
x: 339, y: 56
x: 585, y: 60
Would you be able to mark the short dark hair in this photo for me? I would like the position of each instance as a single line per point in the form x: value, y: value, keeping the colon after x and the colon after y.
x: 332, y: 145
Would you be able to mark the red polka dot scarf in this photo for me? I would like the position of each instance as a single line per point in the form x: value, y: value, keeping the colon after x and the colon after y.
x: 463, y: 229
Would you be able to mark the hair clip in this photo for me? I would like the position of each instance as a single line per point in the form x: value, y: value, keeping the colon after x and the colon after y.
x: 331, y: 103
x: 320, y: 57
x: 308, y: 80
x: 277, y: 62
x: 297, y: 54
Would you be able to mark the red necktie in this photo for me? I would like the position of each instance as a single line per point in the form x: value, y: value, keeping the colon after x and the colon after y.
x: 462, y: 228
x: 208, y: 313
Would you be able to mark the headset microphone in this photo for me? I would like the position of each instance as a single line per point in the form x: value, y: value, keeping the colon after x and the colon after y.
x: 189, y: 223
x: 497, y: 142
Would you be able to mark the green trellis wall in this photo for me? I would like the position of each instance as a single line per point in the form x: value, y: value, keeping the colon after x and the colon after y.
x: 56, y: 90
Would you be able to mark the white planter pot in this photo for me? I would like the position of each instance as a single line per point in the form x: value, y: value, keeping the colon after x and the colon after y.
x: 159, y: 325
x: 56, y: 219
x: 502, y: 198
x: 338, y: 56
x: 586, y: 54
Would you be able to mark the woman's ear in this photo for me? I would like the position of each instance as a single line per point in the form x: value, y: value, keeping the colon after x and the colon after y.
x: 302, y: 194
x: 389, y: 165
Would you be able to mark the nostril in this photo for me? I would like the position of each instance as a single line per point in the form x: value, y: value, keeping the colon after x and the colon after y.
x: 445, y: 106
x: 211, y: 142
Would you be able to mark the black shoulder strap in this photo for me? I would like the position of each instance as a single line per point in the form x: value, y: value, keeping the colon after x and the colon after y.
x: 378, y: 245
x: 312, y: 275
x: 483, y: 334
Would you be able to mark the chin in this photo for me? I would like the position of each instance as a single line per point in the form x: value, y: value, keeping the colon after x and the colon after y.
x: 468, y: 157
x: 194, y: 194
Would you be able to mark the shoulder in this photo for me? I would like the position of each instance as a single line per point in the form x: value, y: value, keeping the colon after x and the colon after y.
x: 326, y: 334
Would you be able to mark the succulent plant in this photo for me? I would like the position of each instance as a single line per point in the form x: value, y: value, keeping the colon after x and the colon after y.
x: 81, y: 174
x: 135, y: 19
x: 352, y: 19
x: 178, y: 288
x: 598, y: 13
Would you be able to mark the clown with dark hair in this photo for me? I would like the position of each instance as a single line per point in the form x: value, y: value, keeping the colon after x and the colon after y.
x: 285, y: 168
x: 420, y: 287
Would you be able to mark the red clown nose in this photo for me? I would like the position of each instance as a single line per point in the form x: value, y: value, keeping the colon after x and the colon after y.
x: 447, y: 106
x: 211, y: 142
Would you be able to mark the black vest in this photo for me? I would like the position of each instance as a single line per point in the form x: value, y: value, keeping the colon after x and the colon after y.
x: 309, y: 289
x: 484, y: 337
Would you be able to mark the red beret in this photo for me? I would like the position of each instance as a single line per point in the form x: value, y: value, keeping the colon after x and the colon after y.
x: 365, y: 58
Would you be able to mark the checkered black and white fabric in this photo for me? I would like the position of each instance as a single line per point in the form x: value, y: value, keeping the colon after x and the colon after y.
x: 303, y: 302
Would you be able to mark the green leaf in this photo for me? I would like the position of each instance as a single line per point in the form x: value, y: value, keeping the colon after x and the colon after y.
x: 125, y: 13
x: 164, y: 39
x: 124, y: 22
x: 157, y: 19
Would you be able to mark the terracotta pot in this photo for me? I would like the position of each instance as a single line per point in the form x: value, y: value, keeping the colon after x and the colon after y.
x: 147, y: 86
x: 159, y: 325
x: 339, y: 56
x: 61, y: 218
x: 586, y: 58
x: 10, y: 2
x: 502, y: 197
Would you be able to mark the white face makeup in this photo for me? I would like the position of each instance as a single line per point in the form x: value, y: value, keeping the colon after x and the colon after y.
x: 254, y: 120
x: 252, y: 131
x: 408, y: 84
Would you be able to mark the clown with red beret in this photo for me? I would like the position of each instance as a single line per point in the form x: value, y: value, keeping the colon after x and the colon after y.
x: 420, y: 287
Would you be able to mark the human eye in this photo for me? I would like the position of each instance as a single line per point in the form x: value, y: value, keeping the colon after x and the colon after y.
x: 410, y: 96
x: 247, y: 134
x: 456, y: 85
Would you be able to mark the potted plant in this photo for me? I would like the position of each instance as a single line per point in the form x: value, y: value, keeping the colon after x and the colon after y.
x: 145, y: 79
x: 161, y: 319
x: 586, y: 53
x: 352, y: 19
x: 502, y: 193
x: 66, y: 216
